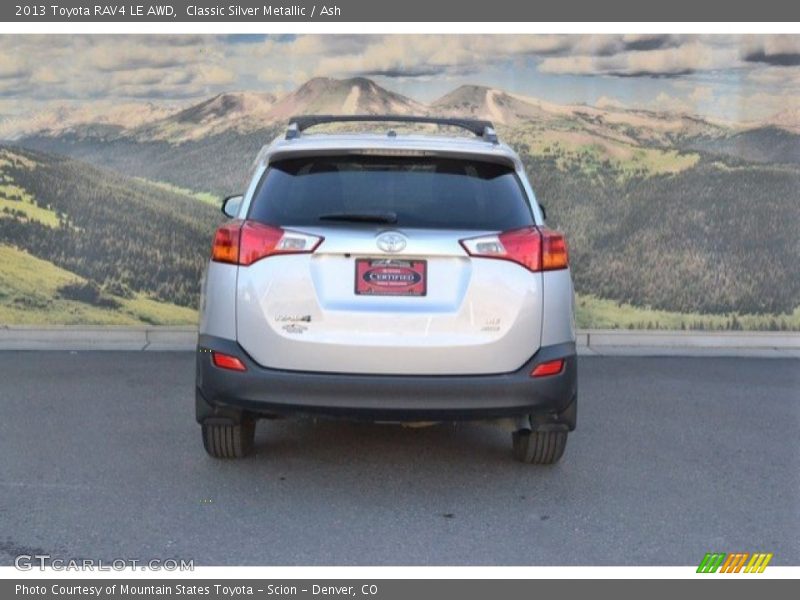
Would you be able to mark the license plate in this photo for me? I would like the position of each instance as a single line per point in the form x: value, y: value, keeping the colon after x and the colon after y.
x: 385, y: 277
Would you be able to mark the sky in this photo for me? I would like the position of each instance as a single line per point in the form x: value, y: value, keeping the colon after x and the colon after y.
x: 730, y: 77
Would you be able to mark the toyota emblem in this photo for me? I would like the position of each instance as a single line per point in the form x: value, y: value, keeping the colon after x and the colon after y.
x: 391, y: 242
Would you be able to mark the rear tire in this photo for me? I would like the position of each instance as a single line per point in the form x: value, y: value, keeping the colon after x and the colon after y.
x: 229, y: 440
x: 538, y: 447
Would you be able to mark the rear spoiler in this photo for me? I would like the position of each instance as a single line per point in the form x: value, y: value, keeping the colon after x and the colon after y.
x: 480, y: 128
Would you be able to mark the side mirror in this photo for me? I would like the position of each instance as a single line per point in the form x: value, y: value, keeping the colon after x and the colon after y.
x: 544, y: 211
x: 231, y: 205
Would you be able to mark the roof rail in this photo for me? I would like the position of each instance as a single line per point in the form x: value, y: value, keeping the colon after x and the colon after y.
x: 484, y: 129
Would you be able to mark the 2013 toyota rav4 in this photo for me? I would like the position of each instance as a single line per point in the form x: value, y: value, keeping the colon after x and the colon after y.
x: 390, y: 278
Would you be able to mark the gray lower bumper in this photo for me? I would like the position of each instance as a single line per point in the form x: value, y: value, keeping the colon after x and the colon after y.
x: 223, y: 393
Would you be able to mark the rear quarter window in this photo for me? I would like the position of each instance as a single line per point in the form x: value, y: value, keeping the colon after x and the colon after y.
x: 423, y: 192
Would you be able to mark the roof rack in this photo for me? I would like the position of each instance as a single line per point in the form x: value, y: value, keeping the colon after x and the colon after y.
x: 484, y: 129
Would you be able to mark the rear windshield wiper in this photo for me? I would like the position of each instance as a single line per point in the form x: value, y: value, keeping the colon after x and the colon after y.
x: 377, y: 217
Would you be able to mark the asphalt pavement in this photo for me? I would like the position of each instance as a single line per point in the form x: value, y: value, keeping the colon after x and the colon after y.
x: 100, y: 457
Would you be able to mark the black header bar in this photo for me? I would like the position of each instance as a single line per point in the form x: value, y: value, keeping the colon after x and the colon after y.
x: 473, y: 11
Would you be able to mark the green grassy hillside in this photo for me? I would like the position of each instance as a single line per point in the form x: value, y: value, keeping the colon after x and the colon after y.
x: 597, y: 313
x: 594, y: 154
x: 714, y: 238
x: 29, y: 294
x: 656, y: 228
x: 218, y: 164
x: 764, y: 144
x: 121, y: 234
x: 15, y: 201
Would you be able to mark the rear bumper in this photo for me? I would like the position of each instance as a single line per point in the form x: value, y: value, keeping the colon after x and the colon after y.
x: 261, y: 391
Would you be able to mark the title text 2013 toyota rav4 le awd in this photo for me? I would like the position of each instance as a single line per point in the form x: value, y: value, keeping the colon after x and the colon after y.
x: 388, y: 277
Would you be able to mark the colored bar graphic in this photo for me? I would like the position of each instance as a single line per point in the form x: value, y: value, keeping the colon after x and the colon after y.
x: 758, y: 562
x: 740, y: 563
x: 734, y: 562
x: 711, y: 562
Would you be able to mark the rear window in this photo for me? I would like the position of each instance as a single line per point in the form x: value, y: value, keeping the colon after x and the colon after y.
x: 424, y: 192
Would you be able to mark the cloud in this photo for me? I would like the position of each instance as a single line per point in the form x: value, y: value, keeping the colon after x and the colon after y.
x: 407, y: 72
x: 681, y: 72
x: 412, y: 56
x: 647, y: 42
x: 685, y: 58
x: 784, y: 77
x: 778, y: 50
x: 276, y: 76
x: 48, y: 75
x: 151, y: 77
x: 668, y: 103
x: 758, y: 105
x: 782, y: 59
x: 214, y: 75
x: 129, y: 56
x: 695, y: 101
x: 13, y: 66
x: 701, y: 93
x: 94, y: 67
x: 609, y: 102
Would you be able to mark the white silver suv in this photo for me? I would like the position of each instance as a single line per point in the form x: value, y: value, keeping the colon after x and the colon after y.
x: 388, y: 277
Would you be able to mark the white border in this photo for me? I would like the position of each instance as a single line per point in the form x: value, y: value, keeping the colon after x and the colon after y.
x: 419, y: 572
x: 404, y: 27
x: 318, y: 27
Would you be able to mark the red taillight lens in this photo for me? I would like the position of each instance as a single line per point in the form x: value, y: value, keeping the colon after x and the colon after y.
x: 226, y: 361
x: 522, y: 246
x: 258, y: 241
x: 534, y: 249
x: 245, y: 243
x: 552, y: 367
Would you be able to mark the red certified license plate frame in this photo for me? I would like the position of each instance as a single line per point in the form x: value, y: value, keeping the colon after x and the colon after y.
x: 391, y: 277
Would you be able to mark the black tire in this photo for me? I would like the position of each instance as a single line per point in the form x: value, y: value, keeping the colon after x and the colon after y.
x: 229, y: 441
x: 539, y: 447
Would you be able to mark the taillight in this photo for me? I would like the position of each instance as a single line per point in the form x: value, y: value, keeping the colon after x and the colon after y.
x: 554, y: 250
x: 226, y: 243
x: 244, y: 243
x: 533, y: 248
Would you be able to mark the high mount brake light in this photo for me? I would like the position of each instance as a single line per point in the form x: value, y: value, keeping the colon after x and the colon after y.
x: 534, y: 248
x: 245, y: 242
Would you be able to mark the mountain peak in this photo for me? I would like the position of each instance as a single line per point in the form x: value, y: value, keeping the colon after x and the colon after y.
x: 788, y: 119
x: 496, y: 105
x: 464, y: 94
x: 64, y: 118
x: 227, y: 105
x: 356, y: 95
x: 230, y: 110
x: 317, y: 85
x: 255, y: 111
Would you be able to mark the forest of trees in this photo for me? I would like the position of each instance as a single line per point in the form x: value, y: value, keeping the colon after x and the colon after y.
x: 718, y: 237
x: 219, y: 164
x: 715, y: 238
x: 115, y: 231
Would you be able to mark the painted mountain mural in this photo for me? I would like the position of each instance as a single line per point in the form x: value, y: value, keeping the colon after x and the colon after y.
x: 676, y: 218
